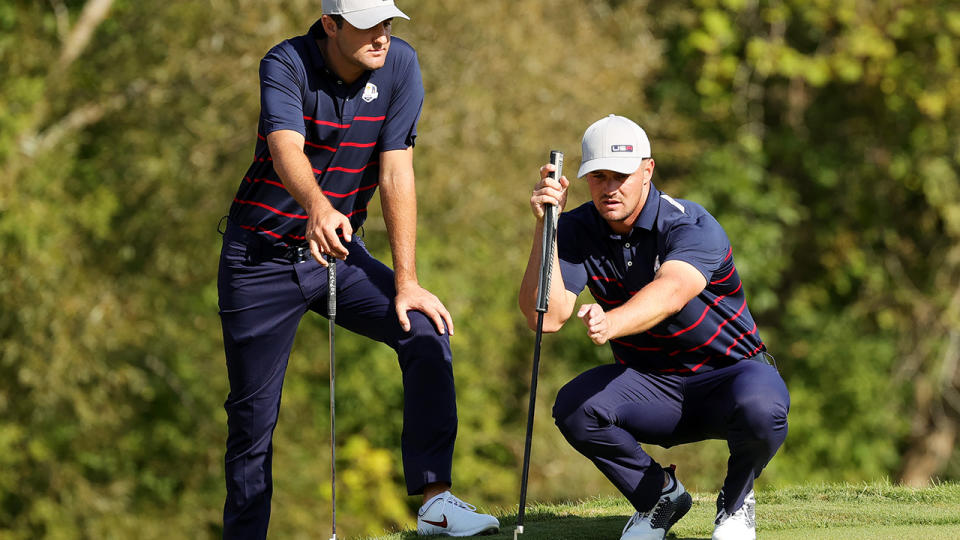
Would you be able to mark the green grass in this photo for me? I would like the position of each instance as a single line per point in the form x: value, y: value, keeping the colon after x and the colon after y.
x: 825, y: 512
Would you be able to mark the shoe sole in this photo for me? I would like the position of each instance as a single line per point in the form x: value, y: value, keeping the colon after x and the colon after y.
x: 483, y: 531
x: 684, y: 503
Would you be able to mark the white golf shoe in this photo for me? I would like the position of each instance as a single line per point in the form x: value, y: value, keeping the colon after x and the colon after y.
x: 740, y: 525
x: 447, y: 515
x: 654, y: 524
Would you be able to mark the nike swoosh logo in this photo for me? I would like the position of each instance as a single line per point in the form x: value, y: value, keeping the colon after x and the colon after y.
x: 441, y: 524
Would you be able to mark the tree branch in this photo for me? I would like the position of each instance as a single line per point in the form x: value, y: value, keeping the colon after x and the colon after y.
x: 94, y: 12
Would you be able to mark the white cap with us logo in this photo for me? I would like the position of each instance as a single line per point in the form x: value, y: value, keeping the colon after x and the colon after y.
x: 614, y: 144
x: 363, y: 14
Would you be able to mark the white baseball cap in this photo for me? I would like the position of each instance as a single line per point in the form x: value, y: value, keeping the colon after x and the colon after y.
x: 615, y: 144
x: 363, y: 14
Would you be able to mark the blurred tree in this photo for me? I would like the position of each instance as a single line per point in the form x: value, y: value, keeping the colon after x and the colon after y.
x: 840, y: 115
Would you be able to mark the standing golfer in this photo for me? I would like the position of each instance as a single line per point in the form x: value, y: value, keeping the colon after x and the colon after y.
x: 690, y: 364
x: 338, y: 117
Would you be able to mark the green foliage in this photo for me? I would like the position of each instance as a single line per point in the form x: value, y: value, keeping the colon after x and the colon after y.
x: 822, y: 135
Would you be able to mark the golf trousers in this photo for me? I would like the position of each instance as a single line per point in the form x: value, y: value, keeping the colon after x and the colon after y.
x: 263, y: 296
x: 607, y: 411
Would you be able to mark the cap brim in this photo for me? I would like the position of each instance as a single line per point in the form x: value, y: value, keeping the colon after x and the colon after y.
x: 618, y: 164
x: 368, y: 18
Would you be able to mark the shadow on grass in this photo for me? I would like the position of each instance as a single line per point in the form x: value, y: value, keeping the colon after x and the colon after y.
x: 546, y: 525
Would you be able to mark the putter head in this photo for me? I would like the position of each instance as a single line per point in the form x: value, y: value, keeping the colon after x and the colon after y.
x: 517, y: 531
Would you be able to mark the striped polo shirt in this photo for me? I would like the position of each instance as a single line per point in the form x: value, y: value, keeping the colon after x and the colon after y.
x: 345, y: 126
x: 714, y: 329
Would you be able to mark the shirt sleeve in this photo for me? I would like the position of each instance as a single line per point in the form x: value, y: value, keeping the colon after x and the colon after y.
x: 699, y: 241
x: 571, y: 256
x: 406, y: 102
x: 281, y: 94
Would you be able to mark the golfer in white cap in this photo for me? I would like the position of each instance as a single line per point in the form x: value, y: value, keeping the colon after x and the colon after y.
x: 339, y: 108
x: 689, y: 363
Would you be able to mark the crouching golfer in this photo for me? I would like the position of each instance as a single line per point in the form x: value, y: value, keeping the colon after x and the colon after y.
x: 690, y: 364
x: 338, y: 118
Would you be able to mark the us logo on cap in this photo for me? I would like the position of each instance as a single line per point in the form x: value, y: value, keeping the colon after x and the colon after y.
x: 621, y: 148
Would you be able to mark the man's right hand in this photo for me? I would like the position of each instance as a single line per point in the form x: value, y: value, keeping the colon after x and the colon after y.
x: 321, y: 234
x: 548, y: 191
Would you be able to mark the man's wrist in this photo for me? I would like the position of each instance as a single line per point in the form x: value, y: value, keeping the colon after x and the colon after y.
x: 407, y: 281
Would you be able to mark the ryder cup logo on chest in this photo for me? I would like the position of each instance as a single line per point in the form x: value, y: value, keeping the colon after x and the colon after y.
x: 370, y: 92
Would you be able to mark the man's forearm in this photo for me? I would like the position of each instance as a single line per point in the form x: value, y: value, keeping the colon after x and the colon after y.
x: 400, y: 216
x: 295, y: 171
x: 655, y: 302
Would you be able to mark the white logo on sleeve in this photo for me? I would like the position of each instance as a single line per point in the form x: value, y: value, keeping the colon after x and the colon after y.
x: 370, y: 92
x: 656, y: 264
x: 670, y: 200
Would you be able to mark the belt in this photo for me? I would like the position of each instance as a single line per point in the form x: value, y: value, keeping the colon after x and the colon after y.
x: 259, y: 247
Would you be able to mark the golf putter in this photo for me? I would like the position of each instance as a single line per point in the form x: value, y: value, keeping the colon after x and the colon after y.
x: 543, y: 297
x: 332, y: 316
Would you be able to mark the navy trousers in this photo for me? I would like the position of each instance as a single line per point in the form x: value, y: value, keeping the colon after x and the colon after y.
x: 263, y: 296
x: 606, y: 412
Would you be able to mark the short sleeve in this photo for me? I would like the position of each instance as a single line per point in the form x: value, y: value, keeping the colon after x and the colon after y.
x: 571, y: 255
x: 699, y: 241
x: 400, y: 126
x: 281, y: 94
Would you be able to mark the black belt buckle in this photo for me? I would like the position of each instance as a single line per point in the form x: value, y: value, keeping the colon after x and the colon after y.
x: 297, y: 254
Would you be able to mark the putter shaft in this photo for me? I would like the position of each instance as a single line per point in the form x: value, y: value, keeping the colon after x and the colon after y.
x: 332, y: 316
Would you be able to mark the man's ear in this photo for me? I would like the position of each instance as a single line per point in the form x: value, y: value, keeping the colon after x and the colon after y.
x: 329, y: 25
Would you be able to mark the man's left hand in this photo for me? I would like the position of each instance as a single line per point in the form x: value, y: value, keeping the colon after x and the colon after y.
x: 414, y: 297
x: 596, y: 321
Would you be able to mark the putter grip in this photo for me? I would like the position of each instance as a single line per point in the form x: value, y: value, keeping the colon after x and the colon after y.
x: 549, y: 237
x: 331, y: 287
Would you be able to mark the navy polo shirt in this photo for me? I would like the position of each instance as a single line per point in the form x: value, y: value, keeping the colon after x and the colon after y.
x: 714, y: 329
x: 345, y: 127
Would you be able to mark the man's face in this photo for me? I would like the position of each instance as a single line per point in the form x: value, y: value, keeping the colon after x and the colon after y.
x: 364, y: 49
x: 619, y: 197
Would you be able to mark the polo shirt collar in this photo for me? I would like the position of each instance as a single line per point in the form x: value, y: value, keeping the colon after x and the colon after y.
x: 651, y: 207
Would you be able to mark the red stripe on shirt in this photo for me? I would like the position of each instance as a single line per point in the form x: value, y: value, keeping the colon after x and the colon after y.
x: 344, y: 169
x: 261, y: 229
x: 605, y: 301
x: 325, y: 123
x: 322, y: 146
x: 719, y: 328
x: 342, y: 195
x: 726, y: 277
x: 738, y: 338
x: 686, y: 369
x: 729, y: 253
x: 369, y: 118
x: 702, y: 316
x: 270, y: 208
x: 358, y: 145
x: 608, y: 280
x: 357, y: 211
x: 265, y: 181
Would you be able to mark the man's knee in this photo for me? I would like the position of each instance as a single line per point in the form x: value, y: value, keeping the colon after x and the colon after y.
x: 422, y: 327
x: 571, y: 416
x: 762, y: 417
